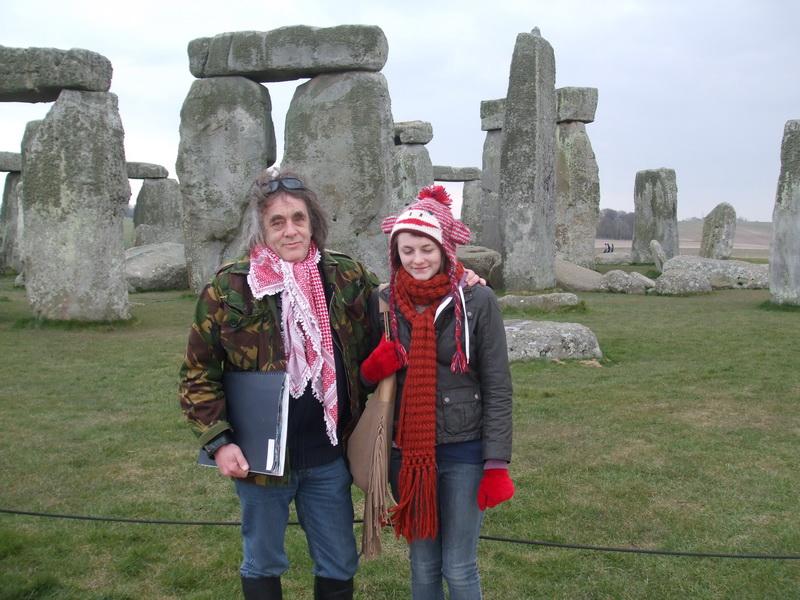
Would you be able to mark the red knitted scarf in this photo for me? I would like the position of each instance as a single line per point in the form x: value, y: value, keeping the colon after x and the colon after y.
x: 416, y: 513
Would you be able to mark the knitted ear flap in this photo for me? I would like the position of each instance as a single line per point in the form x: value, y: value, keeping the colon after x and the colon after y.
x: 459, y: 233
x: 388, y: 223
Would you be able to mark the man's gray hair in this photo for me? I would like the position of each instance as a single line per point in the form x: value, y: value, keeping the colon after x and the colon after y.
x: 253, y: 226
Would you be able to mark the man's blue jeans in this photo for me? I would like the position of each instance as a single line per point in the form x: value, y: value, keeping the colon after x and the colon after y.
x: 325, y: 510
x: 453, y: 554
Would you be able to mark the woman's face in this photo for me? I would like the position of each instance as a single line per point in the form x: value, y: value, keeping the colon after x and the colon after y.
x: 420, y: 256
x: 287, y: 227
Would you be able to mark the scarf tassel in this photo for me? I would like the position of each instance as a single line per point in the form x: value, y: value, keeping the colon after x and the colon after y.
x: 417, y: 515
x: 459, y: 362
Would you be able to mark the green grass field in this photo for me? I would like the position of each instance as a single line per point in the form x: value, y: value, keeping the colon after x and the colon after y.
x: 685, y: 437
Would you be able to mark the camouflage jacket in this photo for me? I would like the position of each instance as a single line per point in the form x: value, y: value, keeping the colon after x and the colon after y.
x: 232, y: 330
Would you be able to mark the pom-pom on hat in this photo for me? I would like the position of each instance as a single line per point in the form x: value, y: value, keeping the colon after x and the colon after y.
x: 430, y: 215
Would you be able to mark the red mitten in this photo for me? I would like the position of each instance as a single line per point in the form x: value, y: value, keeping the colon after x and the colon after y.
x: 381, y: 363
x: 495, y: 487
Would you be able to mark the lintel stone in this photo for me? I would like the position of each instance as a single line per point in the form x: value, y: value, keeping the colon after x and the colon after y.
x: 10, y: 162
x: 576, y: 104
x: 141, y: 170
x: 413, y: 132
x: 289, y: 53
x: 492, y: 114
x: 39, y: 74
x: 443, y: 173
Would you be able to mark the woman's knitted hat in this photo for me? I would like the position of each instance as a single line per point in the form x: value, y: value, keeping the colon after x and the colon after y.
x: 430, y: 215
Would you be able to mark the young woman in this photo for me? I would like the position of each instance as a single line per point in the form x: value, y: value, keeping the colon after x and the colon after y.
x: 452, y: 430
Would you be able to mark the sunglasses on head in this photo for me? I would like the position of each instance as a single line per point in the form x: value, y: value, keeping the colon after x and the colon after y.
x: 287, y: 183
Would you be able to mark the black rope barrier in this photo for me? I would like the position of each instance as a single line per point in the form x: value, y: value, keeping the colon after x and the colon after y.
x: 487, y: 538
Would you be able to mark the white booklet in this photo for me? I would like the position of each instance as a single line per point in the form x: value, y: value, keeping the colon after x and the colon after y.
x: 257, y: 405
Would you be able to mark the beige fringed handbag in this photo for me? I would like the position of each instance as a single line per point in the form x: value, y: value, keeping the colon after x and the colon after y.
x: 368, y: 452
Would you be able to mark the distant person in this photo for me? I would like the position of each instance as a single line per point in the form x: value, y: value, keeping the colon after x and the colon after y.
x: 612, y: 248
x: 452, y: 431
x: 291, y: 305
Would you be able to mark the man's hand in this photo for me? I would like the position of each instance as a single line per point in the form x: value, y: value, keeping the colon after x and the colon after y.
x: 472, y: 278
x: 231, y: 462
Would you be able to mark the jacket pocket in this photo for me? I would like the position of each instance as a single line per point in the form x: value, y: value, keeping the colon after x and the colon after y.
x: 461, y: 410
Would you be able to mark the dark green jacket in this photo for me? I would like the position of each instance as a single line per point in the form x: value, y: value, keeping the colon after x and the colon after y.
x: 233, y: 330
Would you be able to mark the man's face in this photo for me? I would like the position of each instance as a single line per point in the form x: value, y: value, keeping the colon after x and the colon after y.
x: 287, y: 227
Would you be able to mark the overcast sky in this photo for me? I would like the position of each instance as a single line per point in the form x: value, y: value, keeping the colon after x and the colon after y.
x: 703, y: 87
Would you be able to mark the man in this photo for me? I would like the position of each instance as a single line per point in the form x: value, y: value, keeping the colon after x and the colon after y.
x: 290, y: 306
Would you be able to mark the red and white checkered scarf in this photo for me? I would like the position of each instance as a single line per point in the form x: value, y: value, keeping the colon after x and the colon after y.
x: 305, y: 325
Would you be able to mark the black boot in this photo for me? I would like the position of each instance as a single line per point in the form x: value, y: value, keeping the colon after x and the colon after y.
x: 262, y: 588
x: 332, y: 589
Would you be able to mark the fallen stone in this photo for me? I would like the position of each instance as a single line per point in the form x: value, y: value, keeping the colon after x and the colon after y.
x: 613, y: 258
x: 576, y: 278
x: 677, y: 282
x: 722, y: 274
x: 620, y: 282
x: 156, y: 267
x: 539, y: 301
x: 532, y: 340
x: 484, y: 261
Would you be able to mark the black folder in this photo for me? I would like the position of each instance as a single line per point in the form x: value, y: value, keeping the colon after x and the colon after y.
x: 257, y: 404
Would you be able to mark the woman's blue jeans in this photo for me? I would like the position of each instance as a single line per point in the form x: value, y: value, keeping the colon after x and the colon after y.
x: 325, y: 510
x: 453, y: 554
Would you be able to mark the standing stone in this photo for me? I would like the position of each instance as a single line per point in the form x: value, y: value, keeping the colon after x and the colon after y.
x: 658, y: 255
x: 411, y: 167
x: 784, y: 261
x: 10, y: 258
x: 226, y: 139
x: 289, y: 52
x: 577, y: 194
x: 339, y: 133
x: 31, y: 128
x: 719, y: 231
x: 656, y: 214
x: 471, y: 196
x: 158, y: 215
x: 39, y: 74
x: 577, y: 177
x: 485, y: 220
x: 75, y: 191
x: 527, y: 167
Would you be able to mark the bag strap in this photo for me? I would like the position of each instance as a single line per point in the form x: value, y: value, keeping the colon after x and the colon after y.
x: 383, y: 308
